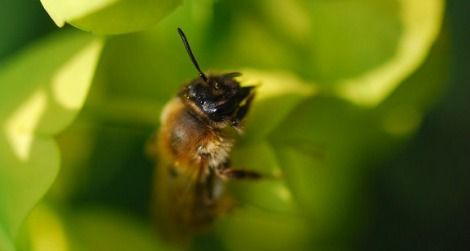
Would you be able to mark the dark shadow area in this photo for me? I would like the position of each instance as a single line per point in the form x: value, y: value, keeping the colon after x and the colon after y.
x: 16, y: 30
x: 421, y: 199
x: 116, y: 173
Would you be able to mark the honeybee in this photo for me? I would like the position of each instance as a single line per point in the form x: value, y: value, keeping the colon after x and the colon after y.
x: 193, y: 145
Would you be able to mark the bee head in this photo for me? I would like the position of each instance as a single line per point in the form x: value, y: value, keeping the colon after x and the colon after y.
x: 220, y: 98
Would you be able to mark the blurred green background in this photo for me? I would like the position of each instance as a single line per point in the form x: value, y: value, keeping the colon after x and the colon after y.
x: 361, y: 107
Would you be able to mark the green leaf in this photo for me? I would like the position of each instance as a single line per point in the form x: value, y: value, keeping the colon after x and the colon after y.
x: 109, y: 16
x: 326, y: 144
x: 420, y: 23
x: 89, y: 229
x: 269, y: 193
x: 105, y: 229
x: 254, y: 229
x: 323, y: 147
x: 276, y: 91
x: 5, y: 241
x: 42, y: 90
x: 358, y: 50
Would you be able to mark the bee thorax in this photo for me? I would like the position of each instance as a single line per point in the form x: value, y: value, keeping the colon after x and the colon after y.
x: 215, y: 152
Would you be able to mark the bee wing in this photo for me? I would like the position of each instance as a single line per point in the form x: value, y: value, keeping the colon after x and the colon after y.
x: 178, y: 198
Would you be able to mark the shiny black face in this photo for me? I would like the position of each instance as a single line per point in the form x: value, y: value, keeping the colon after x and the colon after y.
x: 220, y: 98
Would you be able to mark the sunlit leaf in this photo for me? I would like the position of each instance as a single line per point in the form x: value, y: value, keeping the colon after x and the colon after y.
x: 109, y: 16
x: 90, y: 229
x: 41, y: 91
x: 276, y: 95
x: 53, y: 237
x: 420, y: 23
x: 5, y: 241
x: 142, y: 71
x: 360, y: 50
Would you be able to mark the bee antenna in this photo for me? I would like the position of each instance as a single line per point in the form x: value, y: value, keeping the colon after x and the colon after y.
x: 191, y: 55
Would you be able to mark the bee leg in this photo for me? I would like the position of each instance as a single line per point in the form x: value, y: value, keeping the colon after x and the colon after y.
x: 242, y: 110
x: 210, y: 184
x: 226, y: 173
x: 238, y: 174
